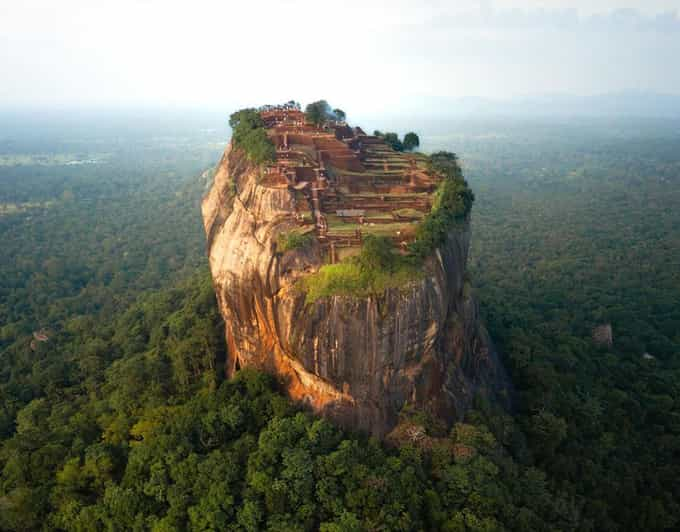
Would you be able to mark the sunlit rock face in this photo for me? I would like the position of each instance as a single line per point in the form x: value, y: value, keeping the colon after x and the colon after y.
x: 358, y: 361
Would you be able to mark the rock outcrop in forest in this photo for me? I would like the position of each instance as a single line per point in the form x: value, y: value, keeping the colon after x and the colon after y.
x: 357, y: 359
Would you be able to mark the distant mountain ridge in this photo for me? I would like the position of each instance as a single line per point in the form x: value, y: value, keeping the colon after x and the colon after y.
x: 623, y: 103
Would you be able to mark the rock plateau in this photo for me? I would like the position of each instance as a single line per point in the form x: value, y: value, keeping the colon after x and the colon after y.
x: 358, y: 361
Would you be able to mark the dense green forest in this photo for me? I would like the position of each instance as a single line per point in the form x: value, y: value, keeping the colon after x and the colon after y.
x: 588, y: 235
x: 115, y: 415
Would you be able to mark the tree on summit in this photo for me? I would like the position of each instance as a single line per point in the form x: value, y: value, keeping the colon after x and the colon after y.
x: 248, y: 133
x: 393, y: 140
x: 411, y: 141
x: 318, y: 112
x: 446, y: 163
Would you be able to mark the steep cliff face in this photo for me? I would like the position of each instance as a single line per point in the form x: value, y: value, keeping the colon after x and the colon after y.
x: 355, y: 360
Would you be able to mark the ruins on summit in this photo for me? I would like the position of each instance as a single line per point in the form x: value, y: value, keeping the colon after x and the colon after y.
x: 347, y: 184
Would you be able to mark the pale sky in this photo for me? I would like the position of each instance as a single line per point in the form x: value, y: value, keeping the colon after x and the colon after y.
x: 363, y: 55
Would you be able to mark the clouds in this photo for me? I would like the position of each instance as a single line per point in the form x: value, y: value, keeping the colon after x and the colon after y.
x: 364, y: 54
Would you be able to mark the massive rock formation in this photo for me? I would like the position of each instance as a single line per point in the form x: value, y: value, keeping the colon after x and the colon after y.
x: 358, y: 361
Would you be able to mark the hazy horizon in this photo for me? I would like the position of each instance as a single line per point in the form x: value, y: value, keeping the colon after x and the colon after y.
x: 369, y: 57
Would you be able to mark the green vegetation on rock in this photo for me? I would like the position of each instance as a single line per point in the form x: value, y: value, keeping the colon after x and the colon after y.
x: 319, y: 112
x: 249, y: 135
x: 451, y: 204
x: 445, y: 163
x: 293, y: 240
x: 392, y: 139
x: 411, y: 141
x: 340, y: 115
x: 377, y: 268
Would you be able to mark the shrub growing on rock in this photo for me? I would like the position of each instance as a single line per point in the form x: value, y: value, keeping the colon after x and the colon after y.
x: 289, y: 241
x: 249, y: 135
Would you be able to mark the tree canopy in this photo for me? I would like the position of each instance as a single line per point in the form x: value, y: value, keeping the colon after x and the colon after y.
x: 318, y: 113
x: 411, y: 141
x: 393, y: 140
x: 249, y: 135
x: 445, y: 163
x: 339, y: 115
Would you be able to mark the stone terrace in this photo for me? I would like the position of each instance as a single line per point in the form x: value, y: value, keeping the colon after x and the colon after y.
x: 347, y: 184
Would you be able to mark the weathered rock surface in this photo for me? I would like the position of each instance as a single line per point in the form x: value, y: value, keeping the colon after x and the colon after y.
x: 355, y: 360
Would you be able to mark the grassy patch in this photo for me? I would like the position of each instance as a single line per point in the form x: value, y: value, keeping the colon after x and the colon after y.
x: 293, y: 240
x: 376, y: 268
x: 410, y: 213
x: 348, y: 279
x: 388, y: 229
